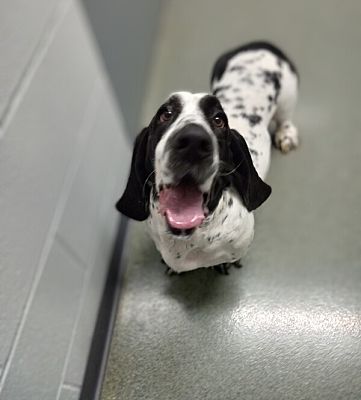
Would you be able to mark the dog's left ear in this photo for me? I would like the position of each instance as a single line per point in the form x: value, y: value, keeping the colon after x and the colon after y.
x: 245, y: 179
x: 134, y: 202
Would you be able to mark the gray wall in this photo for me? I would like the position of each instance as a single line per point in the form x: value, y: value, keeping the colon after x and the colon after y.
x: 125, y: 31
x: 64, y: 157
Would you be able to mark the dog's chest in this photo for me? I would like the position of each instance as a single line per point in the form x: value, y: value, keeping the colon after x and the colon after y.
x: 224, y: 236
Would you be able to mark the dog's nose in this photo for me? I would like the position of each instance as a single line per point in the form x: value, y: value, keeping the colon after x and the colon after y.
x: 193, y: 143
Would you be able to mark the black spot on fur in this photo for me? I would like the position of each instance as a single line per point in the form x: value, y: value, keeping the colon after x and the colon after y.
x: 230, y: 202
x: 224, y: 219
x: 253, y: 119
x: 254, y: 152
x: 220, y: 89
x: 239, y: 68
x: 178, y: 255
x: 247, y: 80
x: 239, y: 106
x: 273, y: 78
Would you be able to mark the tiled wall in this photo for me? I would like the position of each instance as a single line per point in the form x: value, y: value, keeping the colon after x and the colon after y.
x: 64, y: 157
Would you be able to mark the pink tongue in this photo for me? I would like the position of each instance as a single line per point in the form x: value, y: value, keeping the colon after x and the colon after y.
x: 182, y: 206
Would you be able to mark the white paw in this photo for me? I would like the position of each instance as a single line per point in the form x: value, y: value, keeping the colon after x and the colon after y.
x: 286, y: 137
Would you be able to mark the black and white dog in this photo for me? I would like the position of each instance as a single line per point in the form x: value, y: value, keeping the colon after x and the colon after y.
x: 198, y: 168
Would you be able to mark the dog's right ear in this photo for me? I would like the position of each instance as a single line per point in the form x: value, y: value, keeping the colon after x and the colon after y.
x: 134, y: 202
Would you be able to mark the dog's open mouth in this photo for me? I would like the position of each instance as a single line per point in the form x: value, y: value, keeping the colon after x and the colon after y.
x: 183, y: 206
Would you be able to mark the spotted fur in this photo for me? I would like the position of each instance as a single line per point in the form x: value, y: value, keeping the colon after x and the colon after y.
x: 256, y: 86
x: 266, y: 84
x: 224, y: 236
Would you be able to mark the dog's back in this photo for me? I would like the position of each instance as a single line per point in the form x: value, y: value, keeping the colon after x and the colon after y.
x: 257, y: 86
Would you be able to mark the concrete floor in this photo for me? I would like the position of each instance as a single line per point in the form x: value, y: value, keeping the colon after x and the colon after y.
x: 288, y: 324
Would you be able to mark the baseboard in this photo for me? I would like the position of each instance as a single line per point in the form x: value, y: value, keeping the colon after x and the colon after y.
x: 100, y: 345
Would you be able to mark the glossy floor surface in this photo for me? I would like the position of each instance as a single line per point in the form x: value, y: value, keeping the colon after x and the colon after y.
x: 288, y: 324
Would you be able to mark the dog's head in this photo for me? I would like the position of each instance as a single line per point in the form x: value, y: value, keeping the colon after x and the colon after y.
x: 189, y: 155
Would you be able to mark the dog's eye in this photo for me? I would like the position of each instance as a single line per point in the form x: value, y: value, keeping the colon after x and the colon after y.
x: 165, y: 116
x: 218, y: 122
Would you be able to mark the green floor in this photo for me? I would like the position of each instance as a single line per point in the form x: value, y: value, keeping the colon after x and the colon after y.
x: 288, y: 324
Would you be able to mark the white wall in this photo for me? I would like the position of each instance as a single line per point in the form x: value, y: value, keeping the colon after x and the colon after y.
x: 125, y: 31
x: 64, y: 157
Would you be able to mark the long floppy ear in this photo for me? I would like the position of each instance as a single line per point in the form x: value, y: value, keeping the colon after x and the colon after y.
x: 134, y: 202
x: 245, y: 179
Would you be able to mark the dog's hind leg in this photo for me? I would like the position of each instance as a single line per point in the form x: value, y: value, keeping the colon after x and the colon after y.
x: 286, y: 134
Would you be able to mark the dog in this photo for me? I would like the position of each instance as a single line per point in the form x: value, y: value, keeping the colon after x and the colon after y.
x: 197, y: 171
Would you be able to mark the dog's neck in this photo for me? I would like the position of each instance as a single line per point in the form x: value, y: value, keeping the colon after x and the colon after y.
x: 224, y: 236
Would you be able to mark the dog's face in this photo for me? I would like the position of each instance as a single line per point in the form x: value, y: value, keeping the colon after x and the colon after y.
x: 189, y: 155
x: 189, y: 150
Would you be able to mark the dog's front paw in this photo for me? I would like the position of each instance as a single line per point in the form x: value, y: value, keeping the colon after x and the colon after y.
x: 170, y: 272
x: 223, y: 269
x: 286, y: 137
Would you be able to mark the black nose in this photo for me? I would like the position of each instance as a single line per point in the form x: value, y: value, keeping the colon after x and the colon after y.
x: 193, y: 143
